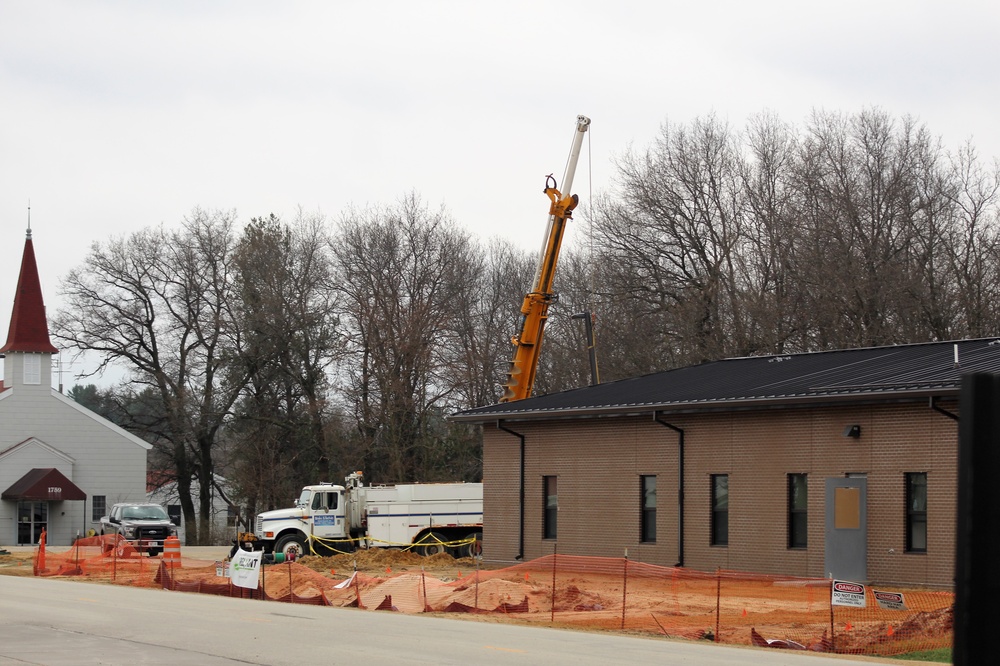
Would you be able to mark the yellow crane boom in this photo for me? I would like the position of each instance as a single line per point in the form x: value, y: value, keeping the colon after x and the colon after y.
x: 534, y: 310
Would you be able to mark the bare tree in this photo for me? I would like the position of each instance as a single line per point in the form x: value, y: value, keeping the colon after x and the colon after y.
x: 973, y: 242
x: 485, y: 317
x: 158, y: 303
x: 400, y: 273
x: 669, y: 235
x: 290, y: 338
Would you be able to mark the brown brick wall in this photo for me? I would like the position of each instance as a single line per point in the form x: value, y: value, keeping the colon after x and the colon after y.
x: 598, y: 463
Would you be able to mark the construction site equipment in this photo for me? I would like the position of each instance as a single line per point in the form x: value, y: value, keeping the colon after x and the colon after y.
x: 431, y: 518
x: 535, y: 308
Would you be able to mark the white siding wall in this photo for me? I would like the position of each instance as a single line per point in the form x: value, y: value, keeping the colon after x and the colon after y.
x: 106, y: 460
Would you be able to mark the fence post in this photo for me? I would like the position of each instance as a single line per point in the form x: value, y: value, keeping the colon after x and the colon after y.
x: 476, y: 602
x: 552, y: 612
x: 357, y: 585
x: 833, y: 639
x: 624, y: 587
x: 423, y: 586
x: 718, y: 595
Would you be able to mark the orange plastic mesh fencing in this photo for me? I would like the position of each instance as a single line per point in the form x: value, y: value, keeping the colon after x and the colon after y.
x: 588, y: 592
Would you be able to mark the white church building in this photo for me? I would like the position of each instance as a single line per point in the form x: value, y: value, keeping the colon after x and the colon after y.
x: 61, y: 465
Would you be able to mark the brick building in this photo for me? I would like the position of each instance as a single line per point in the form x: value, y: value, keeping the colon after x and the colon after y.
x: 841, y: 462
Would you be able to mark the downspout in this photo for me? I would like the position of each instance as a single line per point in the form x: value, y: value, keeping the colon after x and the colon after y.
x: 939, y: 410
x: 520, y: 546
x: 680, y: 486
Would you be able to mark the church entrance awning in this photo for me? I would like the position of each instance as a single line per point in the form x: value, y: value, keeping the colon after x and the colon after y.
x: 43, y: 484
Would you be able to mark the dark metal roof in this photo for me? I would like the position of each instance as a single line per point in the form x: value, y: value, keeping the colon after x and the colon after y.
x: 851, y: 375
x: 45, y: 483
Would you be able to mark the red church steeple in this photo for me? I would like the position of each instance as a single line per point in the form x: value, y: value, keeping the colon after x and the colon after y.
x: 29, y: 331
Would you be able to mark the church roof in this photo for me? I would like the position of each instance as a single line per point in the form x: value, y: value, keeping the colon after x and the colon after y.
x: 29, y: 331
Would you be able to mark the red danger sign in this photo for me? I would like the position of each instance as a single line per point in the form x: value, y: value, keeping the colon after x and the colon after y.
x: 889, y: 600
x: 846, y: 593
x: 841, y: 586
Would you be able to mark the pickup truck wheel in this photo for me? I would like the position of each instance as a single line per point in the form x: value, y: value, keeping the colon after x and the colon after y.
x: 432, y: 543
x: 291, y: 543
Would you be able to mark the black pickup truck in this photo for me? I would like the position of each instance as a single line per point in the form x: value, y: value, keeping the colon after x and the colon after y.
x: 145, y: 526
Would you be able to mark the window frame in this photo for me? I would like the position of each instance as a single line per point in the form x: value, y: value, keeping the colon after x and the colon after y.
x: 647, y: 508
x: 174, y: 511
x: 550, y: 506
x: 719, y: 523
x: 798, y: 516
x: 915, y: 516
x: 31, y: 369
x: 95, y: 502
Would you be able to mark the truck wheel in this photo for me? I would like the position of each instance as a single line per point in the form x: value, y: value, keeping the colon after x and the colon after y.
x: 474, y: 549
x: 432, y: 543
x: 291, y: 543
x: 339, y: 547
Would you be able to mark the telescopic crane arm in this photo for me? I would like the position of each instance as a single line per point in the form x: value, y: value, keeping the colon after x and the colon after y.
x: 528, y: 340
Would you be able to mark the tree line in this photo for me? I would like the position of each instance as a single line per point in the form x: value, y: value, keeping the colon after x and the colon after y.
x: 279, y: 352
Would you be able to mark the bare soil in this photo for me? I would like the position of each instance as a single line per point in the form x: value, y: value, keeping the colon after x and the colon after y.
x: 593, y: 600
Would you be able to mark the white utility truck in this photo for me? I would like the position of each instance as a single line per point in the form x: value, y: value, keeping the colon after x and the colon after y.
x: 430, y: 518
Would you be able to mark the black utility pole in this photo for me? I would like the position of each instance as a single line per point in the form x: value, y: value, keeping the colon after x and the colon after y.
x: 588, y: 321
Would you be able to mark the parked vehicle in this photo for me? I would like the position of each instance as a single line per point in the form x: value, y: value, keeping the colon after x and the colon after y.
x: 143, y: 525
x: 431, y: 518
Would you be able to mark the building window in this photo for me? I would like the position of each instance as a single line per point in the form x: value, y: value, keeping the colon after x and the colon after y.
x: 32, y: 369
x: 551, y: 507
x: 916, y: 512
x: 174, y: 514
x: 99, y: 508
x: 232, y: 515
x: 798, y: 504
x: 648, y: 524
x: 720, y: 510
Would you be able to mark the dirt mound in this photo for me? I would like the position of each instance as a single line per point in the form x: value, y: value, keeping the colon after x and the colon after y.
x: 376, y: 560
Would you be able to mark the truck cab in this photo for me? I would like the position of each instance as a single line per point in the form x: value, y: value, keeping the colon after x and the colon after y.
x: 318, y: 517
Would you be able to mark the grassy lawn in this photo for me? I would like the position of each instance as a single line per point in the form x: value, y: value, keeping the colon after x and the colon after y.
x: 940, y: 656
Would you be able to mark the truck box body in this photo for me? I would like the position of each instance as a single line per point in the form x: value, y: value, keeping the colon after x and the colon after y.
x: 397, y: 514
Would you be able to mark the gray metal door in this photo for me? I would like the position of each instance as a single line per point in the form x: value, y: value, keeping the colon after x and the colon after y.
x: 846, y: 553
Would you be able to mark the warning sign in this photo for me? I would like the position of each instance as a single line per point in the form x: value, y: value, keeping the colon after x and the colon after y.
x: 889, y: 600
x: 846, y: 593
x: 245, y: 568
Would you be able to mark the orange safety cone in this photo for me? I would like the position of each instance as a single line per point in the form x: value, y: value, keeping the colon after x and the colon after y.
x: 890, y: 631
x: 744, y: 612
x: 848, y: 627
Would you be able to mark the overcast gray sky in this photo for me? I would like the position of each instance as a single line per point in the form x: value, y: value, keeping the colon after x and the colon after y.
x: 115, y: 116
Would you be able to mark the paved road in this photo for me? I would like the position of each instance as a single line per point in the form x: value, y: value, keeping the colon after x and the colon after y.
x: 63, y: 622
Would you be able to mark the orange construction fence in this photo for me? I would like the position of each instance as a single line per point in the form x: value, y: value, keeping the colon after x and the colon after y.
x: 566, y: 590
